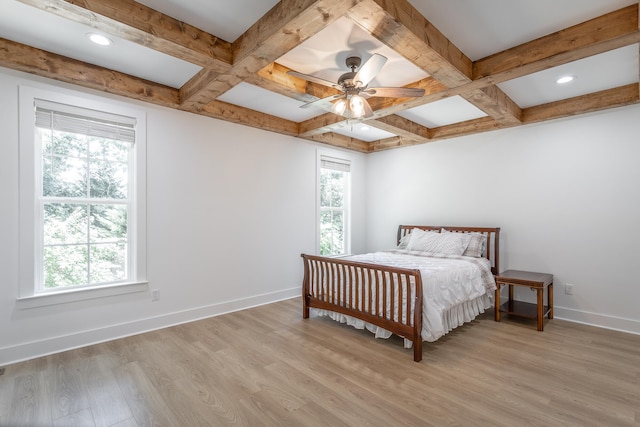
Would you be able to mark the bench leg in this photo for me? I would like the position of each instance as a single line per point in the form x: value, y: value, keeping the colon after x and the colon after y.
x: 550, y: 300
x: 540, y: 309
x: 510, y: 298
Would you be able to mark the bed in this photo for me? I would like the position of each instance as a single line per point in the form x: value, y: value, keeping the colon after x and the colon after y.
x: 437, y: 278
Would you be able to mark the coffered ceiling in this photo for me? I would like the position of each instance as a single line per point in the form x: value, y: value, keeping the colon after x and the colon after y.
x: 484, y: 65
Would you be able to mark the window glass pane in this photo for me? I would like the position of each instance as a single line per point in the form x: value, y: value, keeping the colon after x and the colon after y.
x: 337, y: 189
x: 108, y: 262
x: 109, y: 179
x: 108, y: 223
x: 65, y: 223
x: 67, y: 144
x: 65, y: 266
x: 64, y: 177
x: 109, y: 149
x: 332, y: 185
x: 324, y: 191
x: 331, y: 232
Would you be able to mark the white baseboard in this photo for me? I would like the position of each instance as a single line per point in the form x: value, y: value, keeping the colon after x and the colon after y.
x: 599, y: 320
x: 31, y: 350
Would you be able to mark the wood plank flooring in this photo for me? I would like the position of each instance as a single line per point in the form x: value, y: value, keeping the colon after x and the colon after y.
x: 268, y: 367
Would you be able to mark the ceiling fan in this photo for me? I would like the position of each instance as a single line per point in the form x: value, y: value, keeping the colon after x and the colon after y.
x: 352, y: 103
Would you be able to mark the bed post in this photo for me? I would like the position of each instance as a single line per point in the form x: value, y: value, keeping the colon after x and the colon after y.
x: 496, y: 250
x: 417, y: 318
x: 305, y: 288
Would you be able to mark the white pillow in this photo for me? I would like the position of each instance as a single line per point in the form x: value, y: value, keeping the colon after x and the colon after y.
x: 477, y: 244
x: 446, y: 244
x: 404, y: 241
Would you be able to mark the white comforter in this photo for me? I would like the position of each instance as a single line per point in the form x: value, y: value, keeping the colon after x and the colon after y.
x: 456, y: 289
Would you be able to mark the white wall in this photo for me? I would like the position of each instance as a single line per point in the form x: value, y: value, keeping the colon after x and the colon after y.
x: 566, y: 195
x: 230, y: 210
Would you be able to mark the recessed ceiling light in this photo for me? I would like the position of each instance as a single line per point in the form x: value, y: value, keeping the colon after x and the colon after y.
x: 565, y: 79
x: 99, y: 39
x: 364, y: 128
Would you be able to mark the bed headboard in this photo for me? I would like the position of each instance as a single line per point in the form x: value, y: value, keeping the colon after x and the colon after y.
x: 493, y: 238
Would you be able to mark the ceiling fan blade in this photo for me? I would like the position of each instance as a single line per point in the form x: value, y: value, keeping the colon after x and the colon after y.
x: 315, y: 79
x: 369, y: 69
x: 324, y: 103
x: 394, y: 92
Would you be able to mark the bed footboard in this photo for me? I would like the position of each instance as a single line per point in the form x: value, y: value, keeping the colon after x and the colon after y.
x: 388, y: 297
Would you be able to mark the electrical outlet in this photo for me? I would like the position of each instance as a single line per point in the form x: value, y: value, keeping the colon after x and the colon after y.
x: 155, y: 295
x: 568, y: 289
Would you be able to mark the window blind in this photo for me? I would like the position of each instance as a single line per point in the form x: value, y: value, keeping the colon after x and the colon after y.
x: 335, y: 164
x: 65, y: 118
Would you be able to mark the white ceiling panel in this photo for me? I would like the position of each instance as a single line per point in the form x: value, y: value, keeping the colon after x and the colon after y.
x: 362, y: 131
x: 52, y: 33
x: 592, y: 74
x: 258, y: 99
x: 444, y: 112
x: 482, y: 28
x: 222, y: 18
x: 324, y: 56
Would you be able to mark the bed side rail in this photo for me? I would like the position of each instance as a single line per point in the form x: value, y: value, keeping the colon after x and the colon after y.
x: 388, y: 297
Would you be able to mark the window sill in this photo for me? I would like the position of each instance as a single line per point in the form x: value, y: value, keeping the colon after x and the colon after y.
x: 64, y: 297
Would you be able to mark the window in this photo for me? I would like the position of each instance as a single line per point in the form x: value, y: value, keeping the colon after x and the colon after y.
x: 82, y: 195
x: 334, y: 183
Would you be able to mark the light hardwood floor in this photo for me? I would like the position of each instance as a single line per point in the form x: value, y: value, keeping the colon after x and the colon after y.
x: 267, y: 366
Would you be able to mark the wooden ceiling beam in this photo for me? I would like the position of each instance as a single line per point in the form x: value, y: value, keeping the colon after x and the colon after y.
x: 245, y: 116
x: 341, y: 141
x: 403, y: 128
x: 274, y: 78
x: 622, y: 34
x: 400, y: 26
x: 321, y: 124
x: 285, y: 26
x: 50, y: 65
x: 140, y: 24
x: 610, y: 98
x: 607, y: 32
x: 469, y: 127
x: 496, y: 104
x: 394, y: 142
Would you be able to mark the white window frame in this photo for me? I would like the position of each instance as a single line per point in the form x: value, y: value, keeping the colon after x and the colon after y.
x: 29, y: 294
x: 339, y: 158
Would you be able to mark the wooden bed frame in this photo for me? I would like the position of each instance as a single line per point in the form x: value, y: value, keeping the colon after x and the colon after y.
x: 388, y: 297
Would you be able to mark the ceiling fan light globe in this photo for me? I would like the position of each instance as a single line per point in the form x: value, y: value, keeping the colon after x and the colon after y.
x: 339, y: 106
x: 356, y: 105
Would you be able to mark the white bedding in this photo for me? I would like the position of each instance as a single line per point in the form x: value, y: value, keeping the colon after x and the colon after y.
x: 456, y: 290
